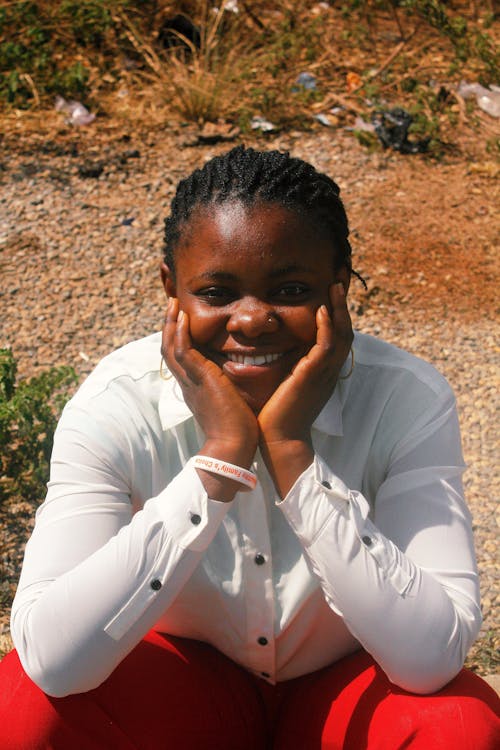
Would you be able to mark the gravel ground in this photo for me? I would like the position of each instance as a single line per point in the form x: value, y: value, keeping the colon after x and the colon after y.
x: 81, y: 218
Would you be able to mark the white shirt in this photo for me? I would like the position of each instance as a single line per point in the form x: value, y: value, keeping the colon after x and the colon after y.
x: 371, y: 547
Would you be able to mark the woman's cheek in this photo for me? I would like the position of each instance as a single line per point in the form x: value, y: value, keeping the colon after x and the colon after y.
x: 205, y: 324
x: 305, y: 326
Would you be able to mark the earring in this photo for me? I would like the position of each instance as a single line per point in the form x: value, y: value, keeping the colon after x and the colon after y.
x: 344, y: 377
x: 163, y: 375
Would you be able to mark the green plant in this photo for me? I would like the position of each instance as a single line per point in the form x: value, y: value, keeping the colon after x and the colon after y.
x: 484, y: 655
x: 466, y: 43
x: 90, y: 20
x: 493, y: 146
x: 42, y: 44
x: 29, y: 410
x: 71, y: 81
x: 485, y: 49
x: 367, y: 140
x: 24, y: 51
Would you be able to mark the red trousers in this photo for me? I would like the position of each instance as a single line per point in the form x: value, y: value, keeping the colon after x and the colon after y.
x: 177, y: 694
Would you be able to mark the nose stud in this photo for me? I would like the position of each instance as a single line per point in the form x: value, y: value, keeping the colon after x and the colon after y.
x: 253, y: 322
x: 271, y: 320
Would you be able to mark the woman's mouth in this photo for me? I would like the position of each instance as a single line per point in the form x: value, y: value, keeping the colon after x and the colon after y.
x: 245, y: 365
x: 254, y: 360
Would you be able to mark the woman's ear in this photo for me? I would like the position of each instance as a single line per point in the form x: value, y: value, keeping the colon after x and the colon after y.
x: 167, y: 279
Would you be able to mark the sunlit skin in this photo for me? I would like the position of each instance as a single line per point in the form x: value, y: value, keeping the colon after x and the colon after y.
x: 256, y: 282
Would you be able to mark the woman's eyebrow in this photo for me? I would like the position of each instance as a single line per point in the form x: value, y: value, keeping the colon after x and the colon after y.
x: 215, y: 276
x: 291, y: 268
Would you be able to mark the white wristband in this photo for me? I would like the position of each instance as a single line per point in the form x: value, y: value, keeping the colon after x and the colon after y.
x: 215, y: 466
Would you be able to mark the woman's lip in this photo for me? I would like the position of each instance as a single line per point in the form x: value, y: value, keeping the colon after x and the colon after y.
x: 245, y: 358
x: 250, y: 370
x: 251, y: 364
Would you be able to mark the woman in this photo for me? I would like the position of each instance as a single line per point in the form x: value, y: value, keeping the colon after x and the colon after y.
x: 261, y: 541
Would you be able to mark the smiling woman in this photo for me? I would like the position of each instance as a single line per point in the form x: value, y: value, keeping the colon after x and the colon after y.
x: 270, y: 525
x: 252, y: 278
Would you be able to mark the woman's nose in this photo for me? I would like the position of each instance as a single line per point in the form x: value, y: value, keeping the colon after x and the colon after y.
x: 251, y: 319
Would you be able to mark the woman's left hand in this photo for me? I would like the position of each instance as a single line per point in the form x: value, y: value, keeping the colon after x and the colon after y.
x: 286, y: 419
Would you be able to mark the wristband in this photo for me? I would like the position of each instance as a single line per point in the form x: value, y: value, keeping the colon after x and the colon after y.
x: 215, y: 466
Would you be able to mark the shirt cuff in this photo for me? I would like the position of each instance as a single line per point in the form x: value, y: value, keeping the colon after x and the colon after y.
x: 189, y: 516
x: 316, y: 496
x: 317, y: 499
x: 181, y: 523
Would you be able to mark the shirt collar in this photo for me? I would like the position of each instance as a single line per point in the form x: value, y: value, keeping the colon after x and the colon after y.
x: 173, y: 409
x: 329, y: 420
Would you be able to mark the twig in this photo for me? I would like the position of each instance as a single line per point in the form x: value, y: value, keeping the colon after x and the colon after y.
x: 29, y: 80
x: 147, y: 52
x: 462, y: 117
x: 395, y: 52
x: 337, y: 97
x: 396, y: 18
x: 255, y: 19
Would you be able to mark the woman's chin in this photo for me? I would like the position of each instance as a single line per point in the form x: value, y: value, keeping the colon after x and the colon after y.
x: 256, y: 399
x: 256, y: 392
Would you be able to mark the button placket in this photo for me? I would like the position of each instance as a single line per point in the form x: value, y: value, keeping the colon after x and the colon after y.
x: 259, y: 603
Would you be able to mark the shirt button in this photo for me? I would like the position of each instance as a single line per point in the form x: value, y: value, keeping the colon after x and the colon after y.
x: 262, y: 641
x: 196, y: 519
x: 326, y: 484
x: 156, y: 584
x: 367, y: 540
x: 259, y: 559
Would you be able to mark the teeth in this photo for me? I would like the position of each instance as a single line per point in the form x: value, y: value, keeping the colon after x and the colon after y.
x: 260, y: 359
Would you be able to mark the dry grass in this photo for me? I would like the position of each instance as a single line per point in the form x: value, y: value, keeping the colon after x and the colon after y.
x: 198, y: 83
x: 246, y: 64
x: 204, y: 79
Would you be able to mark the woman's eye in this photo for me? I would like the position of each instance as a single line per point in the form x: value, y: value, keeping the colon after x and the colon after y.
x: 292, y: 290
x: 214, y: 293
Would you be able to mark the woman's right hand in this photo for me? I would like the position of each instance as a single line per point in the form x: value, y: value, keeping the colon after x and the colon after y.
x: 230, y: 427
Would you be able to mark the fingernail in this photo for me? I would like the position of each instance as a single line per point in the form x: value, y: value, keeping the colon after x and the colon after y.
x: 323, y: 310
x: 180, y: 316
x: 340, y: 288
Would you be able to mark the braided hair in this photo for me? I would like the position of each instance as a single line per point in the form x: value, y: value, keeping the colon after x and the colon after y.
x: 250, y: 177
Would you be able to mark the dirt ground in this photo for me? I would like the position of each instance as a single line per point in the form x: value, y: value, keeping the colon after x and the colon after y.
x: 78, y: 280
x: 449, y: 206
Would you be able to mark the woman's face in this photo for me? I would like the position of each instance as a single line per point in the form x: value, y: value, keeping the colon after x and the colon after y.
x: 251, y: 279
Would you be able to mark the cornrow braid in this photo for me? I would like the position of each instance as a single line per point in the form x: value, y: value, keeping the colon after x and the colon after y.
x: 250, y: 177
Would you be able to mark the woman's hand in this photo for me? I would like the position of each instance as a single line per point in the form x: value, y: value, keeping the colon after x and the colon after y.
x: 286, y: 419
x: 230, y: 427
